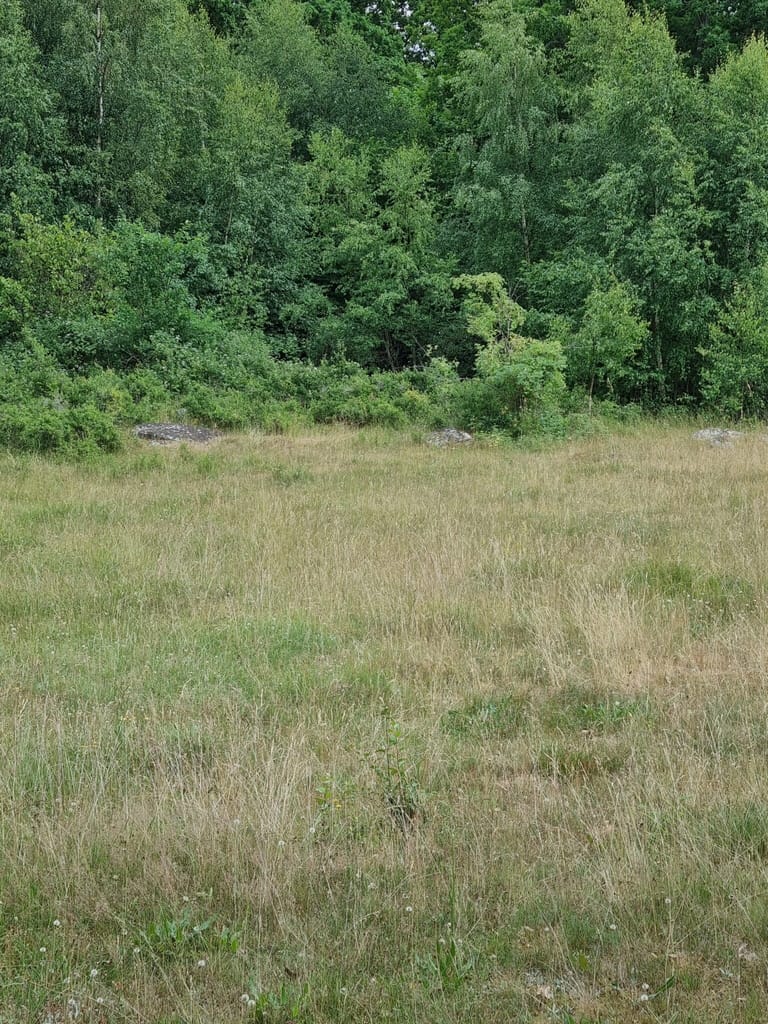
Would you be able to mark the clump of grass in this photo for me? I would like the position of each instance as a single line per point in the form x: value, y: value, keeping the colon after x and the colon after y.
x: 741, y: 830
x: 497, y: 717
x: 592, y: 709
x: 579, y: 761
x: 707, y: 595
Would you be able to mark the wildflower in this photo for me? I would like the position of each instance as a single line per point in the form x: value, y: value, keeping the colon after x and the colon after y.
x: 244, y: 998
x: 409, y: 910
x: 668, y: 901
x: 251, y: 1003
x: 136, y: 950
x: 43, y: 949
x: 281, y: 843
x: 100, y: 1000
x: 202, y: 963
x: 645, y: 986
x: 57, y: 923
x: 644, y: 997
x: 612, y: 927
x: 94, y: 972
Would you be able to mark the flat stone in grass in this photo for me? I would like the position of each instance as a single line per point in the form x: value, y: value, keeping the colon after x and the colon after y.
x: 718, y: 436
x: 167, y: 433
x: 447, y: 437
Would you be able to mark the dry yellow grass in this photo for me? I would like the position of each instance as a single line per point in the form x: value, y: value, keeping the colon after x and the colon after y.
x: 404, y: 734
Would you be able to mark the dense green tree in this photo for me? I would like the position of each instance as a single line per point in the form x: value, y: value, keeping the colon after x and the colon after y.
x: 735, y: 377
x: 30, y: 133
x: 601, y: 354
x: 508, y: 147
x: 707, y: 31
x: 633, y: 189
x: 735, y: 134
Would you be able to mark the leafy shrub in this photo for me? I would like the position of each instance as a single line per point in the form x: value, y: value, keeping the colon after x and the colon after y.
x: 40, y: 426
x: 735, y: 374
x: 518, y: 389
x: 14, y: 310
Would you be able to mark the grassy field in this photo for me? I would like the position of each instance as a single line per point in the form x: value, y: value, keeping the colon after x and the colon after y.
x: 338, y: 727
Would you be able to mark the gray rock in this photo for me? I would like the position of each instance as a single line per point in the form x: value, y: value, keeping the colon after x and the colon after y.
x: 446, y: 437
x: 718, y: 436
x: 166, y: 433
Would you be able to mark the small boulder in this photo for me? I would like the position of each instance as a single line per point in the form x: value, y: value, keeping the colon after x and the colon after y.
x: 718, y: 436
x: 167, y: 433
x: 447, y: 437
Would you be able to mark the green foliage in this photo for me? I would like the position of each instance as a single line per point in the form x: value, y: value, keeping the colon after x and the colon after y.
x: 602, y: 352
x: 29, y: 127
x: 15, y: 308
x: 708, y: 596
x: 285, y: 1005
x: 490, y: 313
x: 172, y: 937
x: 451, y: 966
x: 519, y: 387
x: 741, y: 831
x: 399, y: 779
x: 735, y: 377
x: 582, y: 709
x: 42, y: 411
x: 499, y: 717
x: 519, y: 383
x: 184, y: 183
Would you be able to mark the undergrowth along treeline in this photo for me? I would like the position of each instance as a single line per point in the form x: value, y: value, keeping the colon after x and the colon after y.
x: 119, y: 335
x: 263, y: 211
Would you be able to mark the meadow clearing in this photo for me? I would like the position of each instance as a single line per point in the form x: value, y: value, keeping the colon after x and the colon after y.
x: 337, y: 727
